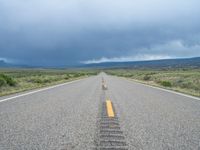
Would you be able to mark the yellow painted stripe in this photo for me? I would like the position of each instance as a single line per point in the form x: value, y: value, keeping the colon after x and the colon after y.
x: 109, y: 107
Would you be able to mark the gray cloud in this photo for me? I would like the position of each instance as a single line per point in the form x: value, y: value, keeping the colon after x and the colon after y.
x: 59, y: 32
x: 164, y: 51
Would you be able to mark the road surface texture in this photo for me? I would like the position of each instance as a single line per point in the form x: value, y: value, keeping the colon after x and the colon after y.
x: 67, y: 117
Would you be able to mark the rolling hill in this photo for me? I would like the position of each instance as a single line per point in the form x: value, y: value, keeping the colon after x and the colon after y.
x: 164, y: 63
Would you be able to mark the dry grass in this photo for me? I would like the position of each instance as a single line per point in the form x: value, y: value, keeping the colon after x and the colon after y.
x: 182, y: 80
x: 26, y: 79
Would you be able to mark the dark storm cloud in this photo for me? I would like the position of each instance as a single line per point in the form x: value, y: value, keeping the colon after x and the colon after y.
x: 59, y: 32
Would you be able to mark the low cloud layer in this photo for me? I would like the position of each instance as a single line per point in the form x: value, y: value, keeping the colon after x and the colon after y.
x: 126, y: 59
x: 59, y: 32
x: 165, y: 51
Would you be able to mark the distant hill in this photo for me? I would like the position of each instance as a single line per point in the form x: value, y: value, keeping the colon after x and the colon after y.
x: 165, y: 63
x: 4, y: 64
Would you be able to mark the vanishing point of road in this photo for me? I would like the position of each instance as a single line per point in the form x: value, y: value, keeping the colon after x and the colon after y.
x: 100, y: 112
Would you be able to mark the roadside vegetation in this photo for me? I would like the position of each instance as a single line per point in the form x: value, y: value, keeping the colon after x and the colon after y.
x: 181, y: 80
x: 18, y: 80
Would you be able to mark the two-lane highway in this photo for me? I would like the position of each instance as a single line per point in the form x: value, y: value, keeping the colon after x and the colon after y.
x: 66, y: 117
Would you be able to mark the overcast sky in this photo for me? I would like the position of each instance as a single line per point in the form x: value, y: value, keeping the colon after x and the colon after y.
x: 69, y: 32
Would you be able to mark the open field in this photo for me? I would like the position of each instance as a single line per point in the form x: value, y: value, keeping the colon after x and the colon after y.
x: 18, y: 80
x: 181, y: 80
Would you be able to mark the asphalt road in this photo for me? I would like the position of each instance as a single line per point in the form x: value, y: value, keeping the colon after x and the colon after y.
x: 65, y: 117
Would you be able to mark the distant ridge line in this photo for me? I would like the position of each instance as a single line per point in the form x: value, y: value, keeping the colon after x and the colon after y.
x: 163, y: 63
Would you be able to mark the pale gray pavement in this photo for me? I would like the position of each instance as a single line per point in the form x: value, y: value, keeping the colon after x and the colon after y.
x: 154, y: 119
x: 59, y: 118
x: 65, y: 117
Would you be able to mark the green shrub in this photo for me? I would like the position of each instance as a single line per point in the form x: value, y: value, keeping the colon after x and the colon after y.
x: 147, y: 77
x: 66, y: 77
x: 7, y: 79
x: 166, y: 83
x: 77, y: 75
x: 37, y: 81
x: 40, y: 81
x: 2, y: 82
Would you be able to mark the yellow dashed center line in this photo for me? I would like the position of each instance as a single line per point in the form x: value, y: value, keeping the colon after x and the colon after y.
x: 109, y: 107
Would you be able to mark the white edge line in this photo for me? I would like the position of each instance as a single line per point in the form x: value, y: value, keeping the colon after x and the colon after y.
x: 43, y: 89
x: 166, y: 90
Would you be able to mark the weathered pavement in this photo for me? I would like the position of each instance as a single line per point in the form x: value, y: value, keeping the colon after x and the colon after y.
x: 69, y: 117
x: 59, y: 118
